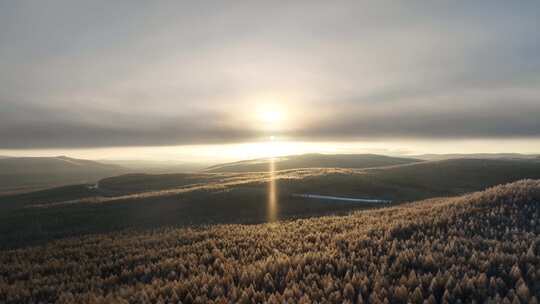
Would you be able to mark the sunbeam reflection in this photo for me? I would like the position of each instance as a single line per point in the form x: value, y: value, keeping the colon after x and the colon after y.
x: 272, y: 192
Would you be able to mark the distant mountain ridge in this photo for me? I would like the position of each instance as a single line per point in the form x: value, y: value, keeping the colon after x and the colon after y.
x: 477, y: 156
x: 46, y: 164
x: 157, y: 166
x: 22, y: 173
x: 355, y: 161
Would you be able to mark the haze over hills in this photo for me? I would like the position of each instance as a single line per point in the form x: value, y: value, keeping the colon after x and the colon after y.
x: 26, y: 173
x: 157, y: 166
x: 355, y: 161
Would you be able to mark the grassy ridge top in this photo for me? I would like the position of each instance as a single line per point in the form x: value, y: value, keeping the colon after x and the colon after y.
x: 356, y: 161
x: 480, y: 247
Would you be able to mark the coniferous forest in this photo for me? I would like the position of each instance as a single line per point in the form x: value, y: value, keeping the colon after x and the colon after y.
x: 479, y: 248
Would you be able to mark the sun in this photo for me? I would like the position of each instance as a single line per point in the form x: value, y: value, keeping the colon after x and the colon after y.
x: 270, y: 117
x: 268, y: 114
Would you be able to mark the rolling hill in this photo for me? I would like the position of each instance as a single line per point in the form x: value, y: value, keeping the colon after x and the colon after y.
x: 141, y: 201
x: 356, y: 161
x: 478, y: 156
x: 417, y: 180
x: 157, y: 166
x: 26, y: 173
x: 483, y: 247
x: 456, y: 176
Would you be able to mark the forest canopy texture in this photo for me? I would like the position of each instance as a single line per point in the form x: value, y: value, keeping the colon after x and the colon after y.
x: 482, y: 247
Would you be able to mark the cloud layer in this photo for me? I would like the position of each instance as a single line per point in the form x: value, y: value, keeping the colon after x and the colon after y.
x: 80, y: 74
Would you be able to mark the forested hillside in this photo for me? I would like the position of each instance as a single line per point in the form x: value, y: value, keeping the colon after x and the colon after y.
x: 480, y: 247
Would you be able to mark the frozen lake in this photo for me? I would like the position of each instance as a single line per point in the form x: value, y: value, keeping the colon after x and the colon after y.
x: 343, y: 199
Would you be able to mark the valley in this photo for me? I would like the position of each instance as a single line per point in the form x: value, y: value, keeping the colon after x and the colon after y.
x: 145, y: 201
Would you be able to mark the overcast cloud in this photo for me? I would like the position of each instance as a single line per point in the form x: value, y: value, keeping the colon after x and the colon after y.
x: 141, y: 73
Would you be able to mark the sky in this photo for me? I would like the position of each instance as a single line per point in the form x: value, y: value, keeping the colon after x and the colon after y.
x: 231, y: 80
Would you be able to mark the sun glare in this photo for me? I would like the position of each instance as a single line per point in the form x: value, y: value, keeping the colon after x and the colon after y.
x: 271, y: 116
x: 272, y: 206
